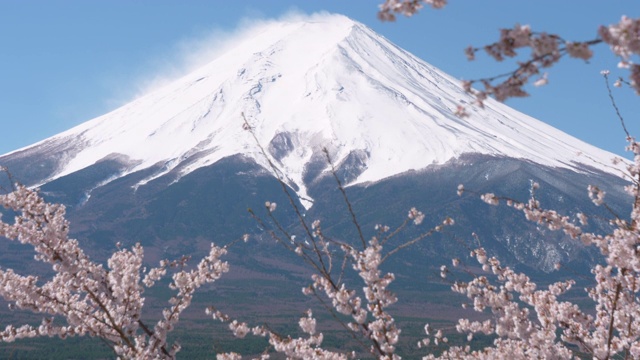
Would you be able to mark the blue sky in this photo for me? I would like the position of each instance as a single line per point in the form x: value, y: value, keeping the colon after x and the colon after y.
x: 65, y: 62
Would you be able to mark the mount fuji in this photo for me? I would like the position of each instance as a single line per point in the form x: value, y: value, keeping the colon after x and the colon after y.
x: 177, y: 167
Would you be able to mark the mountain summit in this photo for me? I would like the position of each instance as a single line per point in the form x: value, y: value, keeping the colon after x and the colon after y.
x: 322, y: 82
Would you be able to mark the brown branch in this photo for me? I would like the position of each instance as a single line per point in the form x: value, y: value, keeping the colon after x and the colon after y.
x: 276, y: 172
x: 395, y: 232
x: 306, y: 258
x: 561, y: 51
x: 114, y: 325
x: 612, y: 318
x: 346, y: 199
x: 408, y: 243
x: 615, y: 106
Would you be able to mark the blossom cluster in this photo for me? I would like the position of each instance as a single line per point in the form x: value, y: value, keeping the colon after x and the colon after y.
x: 308, y: 347
x: 389, y: 8
x: 529, y: 322
x: 545, y: 50
x: 369, y: 318
x: 365, y: 314
x: 83, y: 297
x: 624, y: 40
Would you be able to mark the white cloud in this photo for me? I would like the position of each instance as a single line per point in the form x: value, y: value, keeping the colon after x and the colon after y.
x: 189, y: 54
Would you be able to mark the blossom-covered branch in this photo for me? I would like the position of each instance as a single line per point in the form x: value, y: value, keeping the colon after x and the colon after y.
x: 545, y: 50
x: 89, y: 299
x: 533, y: 323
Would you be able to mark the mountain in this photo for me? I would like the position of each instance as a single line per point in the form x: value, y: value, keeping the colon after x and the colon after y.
x: 326, y: 81
x: 176, y: 169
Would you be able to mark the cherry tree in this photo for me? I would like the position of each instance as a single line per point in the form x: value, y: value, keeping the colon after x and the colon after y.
x: 88, y: 298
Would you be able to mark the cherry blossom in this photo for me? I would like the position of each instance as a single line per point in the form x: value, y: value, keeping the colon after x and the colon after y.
x: 544, y: 51
x: 83, y: 297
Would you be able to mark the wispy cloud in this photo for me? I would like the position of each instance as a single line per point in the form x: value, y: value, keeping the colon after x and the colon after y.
x: 189, y: 54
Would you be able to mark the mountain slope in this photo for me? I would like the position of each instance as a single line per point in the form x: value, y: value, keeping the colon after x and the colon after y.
x: 325, y: 82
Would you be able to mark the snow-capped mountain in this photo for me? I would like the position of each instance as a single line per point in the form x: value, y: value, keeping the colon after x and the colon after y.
x: 325, y: 81
x: 177, y: 168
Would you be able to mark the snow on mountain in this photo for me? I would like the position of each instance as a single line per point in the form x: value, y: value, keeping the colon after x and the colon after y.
x: 324, y: 81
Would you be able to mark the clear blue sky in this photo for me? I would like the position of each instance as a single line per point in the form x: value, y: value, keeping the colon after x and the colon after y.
x: 65, y: 62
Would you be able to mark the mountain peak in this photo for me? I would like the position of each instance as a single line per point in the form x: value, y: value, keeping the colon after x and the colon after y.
x: 304, y: 84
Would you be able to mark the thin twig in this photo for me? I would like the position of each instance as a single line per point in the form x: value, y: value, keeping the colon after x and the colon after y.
x: 346, y: 199
x: 395, y: 232
x: 276, y: 172
x: 408, y: 243
x: 615, y: 106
